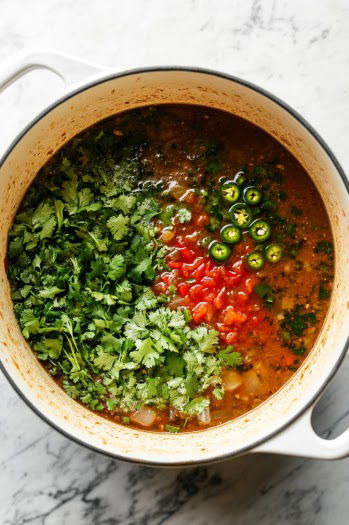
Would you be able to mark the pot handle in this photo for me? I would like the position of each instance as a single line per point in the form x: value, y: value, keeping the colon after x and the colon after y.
x: 70, y: 69
x: 300, y: 439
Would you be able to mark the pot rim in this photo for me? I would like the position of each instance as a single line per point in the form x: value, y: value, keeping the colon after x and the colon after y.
x: 154, y: 69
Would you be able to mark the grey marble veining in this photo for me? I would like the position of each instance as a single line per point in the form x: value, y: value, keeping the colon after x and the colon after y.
x: 300, y: 51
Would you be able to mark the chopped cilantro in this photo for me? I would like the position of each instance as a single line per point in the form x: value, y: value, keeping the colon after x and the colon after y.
x: 265, y: 292
x: 82, y: 260
x: 324, y: 247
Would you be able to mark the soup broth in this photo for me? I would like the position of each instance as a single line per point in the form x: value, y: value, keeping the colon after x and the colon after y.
x: 171, y: 267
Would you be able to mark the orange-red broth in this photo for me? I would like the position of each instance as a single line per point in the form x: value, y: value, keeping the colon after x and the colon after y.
x: 222, y: 294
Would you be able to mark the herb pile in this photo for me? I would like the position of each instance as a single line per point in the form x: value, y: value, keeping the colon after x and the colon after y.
x: 82, y: 257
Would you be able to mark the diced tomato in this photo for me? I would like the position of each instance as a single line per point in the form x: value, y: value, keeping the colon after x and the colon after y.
x: 209, y: 313
x: 208, y: 295
x: 239, y: 267
x: 241, y: 298
x: 222, y: 327
x: 187, y: 255
x: 165, y: 277
x: 250, y: 283
x: 209, y: 266
x: 231, y: 316
x: 196, y: 292
x: 174, y: 264
x: 159, y: 288
x: 192, y: 238
x: 214, y: 273
x: 220, y: 299
x: 192, y: 266
x: 199, y: 312
x: 208, y: 282
x: 223, y: 272
x: 232, y: 279
x: 199, y: 272
x: 183, y: 289
x: 202, y: 220
x: 230, y: 338
x: 184, y: 270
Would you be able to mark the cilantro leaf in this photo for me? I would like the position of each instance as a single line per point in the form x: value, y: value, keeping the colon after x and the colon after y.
x: 118, y: 225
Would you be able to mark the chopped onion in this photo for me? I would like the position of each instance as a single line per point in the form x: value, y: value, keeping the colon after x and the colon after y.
x: 178, y: 302
x: 205, y: 416
x: 223, y: 413
x: 144, y: 416
x: 231, y: 380
x: 252, y: 382
x: 287, y: 303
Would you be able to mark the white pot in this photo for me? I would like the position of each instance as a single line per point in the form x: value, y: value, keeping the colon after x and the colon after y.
x: 282, y: 423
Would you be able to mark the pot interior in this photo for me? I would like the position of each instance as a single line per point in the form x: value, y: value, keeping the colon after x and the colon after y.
x: 105, y: 98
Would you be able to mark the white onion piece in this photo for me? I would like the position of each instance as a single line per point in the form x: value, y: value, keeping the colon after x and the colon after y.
x: 144, y: 416
x: 205, y: 416
x: 231, y: 380
x: 287, y: 303
x: 252, y: 382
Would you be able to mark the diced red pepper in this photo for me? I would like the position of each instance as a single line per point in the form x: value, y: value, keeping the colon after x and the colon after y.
x: 208, y: 282
x: 187, y: 255
x: 183, y: 289
x: 220, y: 299
x: 195, y: 292
x: 232, y: 279
x: 230, y: 338
x: 214, y: 273
x: 208, y: 295
x: 199, y: 312
x: 209, y: 266
x: 209, y: 313
x: 174, y: 264
x: 199, y: 272
x: 241, y: 298
x: 239, y: 267
x: 222, y: 327
x: 165, y: 277
x: 250, y: 283
x: 231, y: 316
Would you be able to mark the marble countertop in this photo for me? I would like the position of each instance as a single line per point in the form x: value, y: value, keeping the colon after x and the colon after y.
x: 300, y: 51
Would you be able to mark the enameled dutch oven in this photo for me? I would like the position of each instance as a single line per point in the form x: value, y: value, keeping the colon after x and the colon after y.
x: 282, y: 424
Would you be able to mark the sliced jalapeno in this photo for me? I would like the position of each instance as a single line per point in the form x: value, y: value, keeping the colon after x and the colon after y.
x: 219, y: 251
x: 241, y: 215
x: 230, y: 191
x: 240, y: 178
x: 252, y: 195
x: 255, y: 260
x: 260, y: 230
x: 230, y: 234
x: 274, y: 253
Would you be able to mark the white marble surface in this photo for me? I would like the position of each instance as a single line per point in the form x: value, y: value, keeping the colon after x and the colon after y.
x: 298, y: 49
